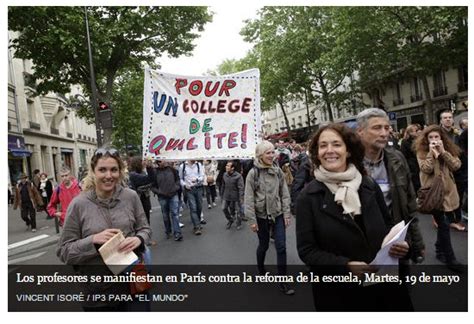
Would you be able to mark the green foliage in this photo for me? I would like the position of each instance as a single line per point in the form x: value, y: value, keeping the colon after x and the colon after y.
x: 122, y: 38
x: 127, y: 105
x: 386, y: 43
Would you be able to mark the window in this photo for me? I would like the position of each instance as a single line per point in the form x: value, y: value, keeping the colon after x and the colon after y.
x: 416, y: 90
x: 439, y: 81
x: 397, y: 97
x: 462, y: 77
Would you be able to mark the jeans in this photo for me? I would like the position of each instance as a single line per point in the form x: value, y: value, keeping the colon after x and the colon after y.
x: 195, y: 204
x: 443, y: 239
x: 264, y: 240
x: 230, y: 212
x: 169, y: 209
x: 211, y: 194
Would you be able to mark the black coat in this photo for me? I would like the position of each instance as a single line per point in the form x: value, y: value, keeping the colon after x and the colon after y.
x: 327, y: 237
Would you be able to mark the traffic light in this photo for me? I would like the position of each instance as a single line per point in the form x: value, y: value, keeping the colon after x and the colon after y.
x: 103, y: 106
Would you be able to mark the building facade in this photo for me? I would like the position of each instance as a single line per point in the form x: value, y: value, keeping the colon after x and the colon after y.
x: 405, y: 101
x: 44, y: 132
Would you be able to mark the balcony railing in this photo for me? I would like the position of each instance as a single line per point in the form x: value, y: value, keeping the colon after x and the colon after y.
x: 462, y: 87
x: 398, y: 102
x: 34, y: 125
x: 416, y: 97
x: 440, y: 92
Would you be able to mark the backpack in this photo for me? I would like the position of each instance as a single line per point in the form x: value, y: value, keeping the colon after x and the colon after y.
x: 184, y: 168
x: 256, y: 177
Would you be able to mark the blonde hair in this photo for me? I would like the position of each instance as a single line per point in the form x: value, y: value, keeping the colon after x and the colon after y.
x: 88, y: 183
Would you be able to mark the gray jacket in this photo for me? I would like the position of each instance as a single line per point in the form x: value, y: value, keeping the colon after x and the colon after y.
x: 86, y: 216
x: 266, y: 193
x: 232, y: 187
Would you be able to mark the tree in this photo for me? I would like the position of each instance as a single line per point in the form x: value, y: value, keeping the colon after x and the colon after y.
x: 296, y: 43
x: 122, y: 39
x: 391, y: 43
x: 128, y: 110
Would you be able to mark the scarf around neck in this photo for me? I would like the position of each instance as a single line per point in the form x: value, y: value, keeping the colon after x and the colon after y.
x: 344, y: 186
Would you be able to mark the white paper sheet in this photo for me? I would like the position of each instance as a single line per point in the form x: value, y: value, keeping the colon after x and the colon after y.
x: 115, y: 260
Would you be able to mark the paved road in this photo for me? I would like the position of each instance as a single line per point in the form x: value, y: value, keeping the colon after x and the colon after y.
x: 216, y: 246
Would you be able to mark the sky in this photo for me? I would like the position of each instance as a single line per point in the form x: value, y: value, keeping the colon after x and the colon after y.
x: 219, y: 41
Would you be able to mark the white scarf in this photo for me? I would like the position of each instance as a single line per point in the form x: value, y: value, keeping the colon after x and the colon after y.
x: 344, y: 186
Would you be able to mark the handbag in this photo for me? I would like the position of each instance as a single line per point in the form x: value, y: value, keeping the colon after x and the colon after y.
x: 140, y: 269
x: 210, y: 180
x: 431, y: 197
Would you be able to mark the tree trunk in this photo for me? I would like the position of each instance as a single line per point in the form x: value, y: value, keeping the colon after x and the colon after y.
x: 280, y: 102
x: 325, y: 96
x: 307, y: 108
x: 428, y: 102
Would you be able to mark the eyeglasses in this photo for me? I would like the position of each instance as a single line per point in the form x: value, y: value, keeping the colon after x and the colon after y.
x: 106, y: 151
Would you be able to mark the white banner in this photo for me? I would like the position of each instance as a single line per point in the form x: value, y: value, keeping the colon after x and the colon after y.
x: 211, y: 117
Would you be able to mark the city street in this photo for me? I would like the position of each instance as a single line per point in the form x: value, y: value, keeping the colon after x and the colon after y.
x: 216, y: 246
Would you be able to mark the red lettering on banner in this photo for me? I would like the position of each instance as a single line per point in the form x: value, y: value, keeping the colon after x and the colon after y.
x: 180, y: 83
x: 226, y: 86
x: 233, y: 139
x: 219, y: 139
x: 195, y: 87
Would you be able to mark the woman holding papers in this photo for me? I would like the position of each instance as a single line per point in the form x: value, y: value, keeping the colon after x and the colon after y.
x: 341, y: 221
x: 437, y: 153
x: 104, y: 209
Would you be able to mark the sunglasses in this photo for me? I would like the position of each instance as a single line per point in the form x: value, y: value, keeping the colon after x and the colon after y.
x: 106, y: 151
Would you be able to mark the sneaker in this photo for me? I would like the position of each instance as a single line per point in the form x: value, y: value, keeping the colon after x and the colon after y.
x: 168, y: 235
x: 214, y: 204
x: 197, y: 231
x: 203, y: 222
x: 244, y: 218
x: 33, y: 230
x: 229, y: 224
x: 181, y: 225
x: 178, y: 238
x: 284, y: 288
x: 239, y: 226
x: 209, y: 206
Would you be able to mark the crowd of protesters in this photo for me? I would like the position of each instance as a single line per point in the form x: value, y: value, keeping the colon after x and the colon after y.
x: 345, y: 187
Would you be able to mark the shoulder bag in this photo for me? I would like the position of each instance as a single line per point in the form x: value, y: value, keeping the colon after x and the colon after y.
x: 431, y: 197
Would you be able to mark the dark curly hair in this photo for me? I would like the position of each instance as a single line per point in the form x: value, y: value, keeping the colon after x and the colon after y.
x: 351, y: 140
x: 421, y: 144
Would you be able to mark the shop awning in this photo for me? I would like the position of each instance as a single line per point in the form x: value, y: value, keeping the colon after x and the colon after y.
x: 19, y: 152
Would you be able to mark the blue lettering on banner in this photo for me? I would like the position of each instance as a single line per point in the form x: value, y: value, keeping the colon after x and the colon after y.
x: 158, y: 106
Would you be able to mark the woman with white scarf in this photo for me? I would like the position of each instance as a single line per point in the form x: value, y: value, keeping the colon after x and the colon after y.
x: 341, y: 221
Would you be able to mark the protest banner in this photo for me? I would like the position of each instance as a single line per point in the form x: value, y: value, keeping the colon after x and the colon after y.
x: 206, y: 117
